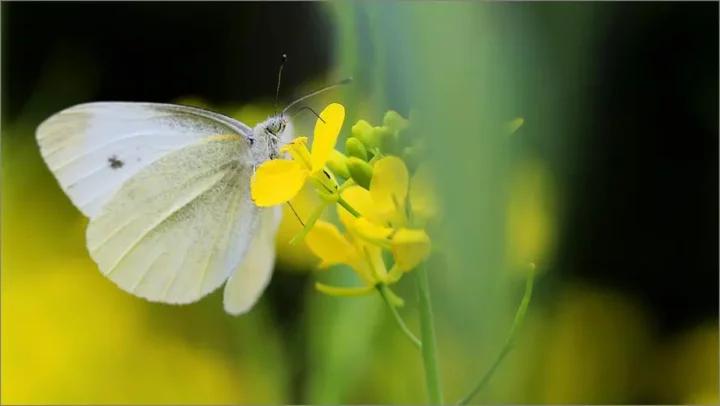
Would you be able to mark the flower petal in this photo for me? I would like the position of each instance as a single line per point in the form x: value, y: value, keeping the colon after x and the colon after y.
x: 410, y: 248
x: 328, y: 244
x: 326, y: 134
x: 423, y: 200
x: 389, y: 186
x: 299, y: 152
x: 309, y: 224
x: 360, y: 200
x: 371, y: 232
x: 277, y: 181
x: 297, y: 142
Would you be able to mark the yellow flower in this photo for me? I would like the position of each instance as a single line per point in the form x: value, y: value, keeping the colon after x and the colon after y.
x: 385, y: 204
x: 392, y: 189
x: 410, y: 247
x: 279, y: 180
x: 365, y: 259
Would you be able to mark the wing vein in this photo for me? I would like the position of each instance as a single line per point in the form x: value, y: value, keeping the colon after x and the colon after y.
x: 146, y: 272
x: 96, y: 149
x: 174, y: 210
x: 235, y: 198
x: 149, y: 197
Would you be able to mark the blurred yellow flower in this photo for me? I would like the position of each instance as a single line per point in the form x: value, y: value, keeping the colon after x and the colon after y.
x: 279, y: 180
x: 365, y: 259
x: 362, y: 245
x: 385, y: 220
x: 297, y: 256
x: 57, y: 349
x: 388, y: 188
x: 530, y: 218
x: 392, y: 189
x: 410, y: 248
x: 422, y: 195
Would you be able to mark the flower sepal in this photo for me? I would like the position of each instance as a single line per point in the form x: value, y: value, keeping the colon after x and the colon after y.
x: 340, y: 291
x: 390, y: 297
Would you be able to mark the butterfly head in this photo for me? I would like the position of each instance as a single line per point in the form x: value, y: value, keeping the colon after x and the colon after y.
x: 272, y: 134
x: 275, y: 125
x: 269, y: 136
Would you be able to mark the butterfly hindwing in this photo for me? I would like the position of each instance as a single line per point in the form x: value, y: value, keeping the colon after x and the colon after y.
x: 247, y: 283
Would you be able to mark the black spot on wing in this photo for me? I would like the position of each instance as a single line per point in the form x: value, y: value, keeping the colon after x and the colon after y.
x: 115, y: 163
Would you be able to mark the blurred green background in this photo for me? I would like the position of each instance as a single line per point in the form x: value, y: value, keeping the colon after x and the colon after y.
x: 611, y: 187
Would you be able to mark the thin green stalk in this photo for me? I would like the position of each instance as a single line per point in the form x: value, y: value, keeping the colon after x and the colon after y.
x: 347, y: 207
x: 427, y: 334
x: 308, y: 224
x: 509, y: 343
x: 428, y: 345
x: 385, y: 293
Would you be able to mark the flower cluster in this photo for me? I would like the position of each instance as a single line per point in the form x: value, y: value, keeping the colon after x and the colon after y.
x: 381, y: 188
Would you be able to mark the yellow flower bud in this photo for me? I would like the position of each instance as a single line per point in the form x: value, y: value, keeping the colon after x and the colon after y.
x: 412, y: 158
x: 420, y: 146
x: 395, y: 121
x: 336, y: 163
x: 362, y: 130
x: 360, y: 171
x: 386, y: 140
x: 355, y: 148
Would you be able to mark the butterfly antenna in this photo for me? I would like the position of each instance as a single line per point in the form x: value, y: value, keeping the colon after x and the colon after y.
x: 303, y: 108
x: 328, y: 87
x: 277, y: 91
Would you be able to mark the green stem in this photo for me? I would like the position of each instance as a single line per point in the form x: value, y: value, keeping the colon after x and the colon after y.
x: 509, y: 343
x: 427, y: 332
x: 428, y: 346
x: 347, y: 207
x: 385, y: 293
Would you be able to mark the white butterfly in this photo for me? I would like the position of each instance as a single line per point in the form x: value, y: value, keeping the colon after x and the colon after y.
x: 167, y: 191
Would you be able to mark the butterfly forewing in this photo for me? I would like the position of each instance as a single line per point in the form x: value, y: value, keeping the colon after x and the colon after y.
x: 93, y: 148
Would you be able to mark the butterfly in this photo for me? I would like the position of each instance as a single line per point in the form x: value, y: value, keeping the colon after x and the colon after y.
x: 166, y: 189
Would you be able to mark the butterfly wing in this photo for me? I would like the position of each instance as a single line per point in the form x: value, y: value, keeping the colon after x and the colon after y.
x: 93, y: 148
x: 245, y: 286
x: 176, y: 230
x: 249, y: 281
